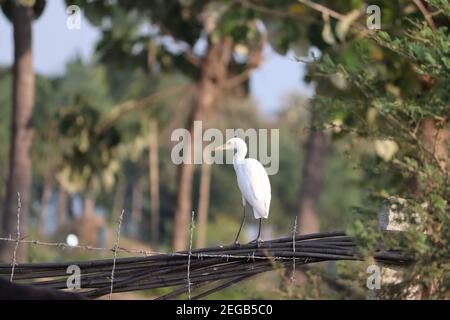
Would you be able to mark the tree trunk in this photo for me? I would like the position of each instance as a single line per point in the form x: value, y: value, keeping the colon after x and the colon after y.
x: 184, y: 205
x: 119, y: 198
x: 213, y: 73
x: 316, y: 150
x: 154, y: 179
x: 19, y: 177
x: 89, y: 206
x: 435, y: 136
x: 45, y: 203
x: 435, y: 139
x: 136, y: 206
x: 203, y: 204
x: 61, y: 210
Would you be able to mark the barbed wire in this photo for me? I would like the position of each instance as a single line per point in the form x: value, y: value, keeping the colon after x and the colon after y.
x: 146, y: 253
x: 116, y: 249
x: 294, y: 232
x: 16, y: 246
x: 198, y: 253
x: 189, y: 257
x: 119, y: 226
x: 326, y: 249
x: 225, y: 265
x: 143, y: 252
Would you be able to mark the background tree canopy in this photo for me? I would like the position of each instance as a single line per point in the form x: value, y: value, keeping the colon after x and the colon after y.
x: 372, y: 141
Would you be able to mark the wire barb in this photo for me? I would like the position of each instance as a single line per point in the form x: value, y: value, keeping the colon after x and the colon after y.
x: 189, y: 256
x: 294, y: 233
x: 14, y: 259
x: 116, y: 247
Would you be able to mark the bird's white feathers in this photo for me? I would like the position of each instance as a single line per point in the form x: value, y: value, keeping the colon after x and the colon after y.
x: 252, y: 178
x: 254, y: 185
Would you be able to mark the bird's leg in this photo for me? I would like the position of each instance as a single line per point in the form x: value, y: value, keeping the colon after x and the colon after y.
x: 240, y: 228
x: 258, y: 239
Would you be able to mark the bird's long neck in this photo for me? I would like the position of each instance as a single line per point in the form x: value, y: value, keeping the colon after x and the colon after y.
x: 241, y: 152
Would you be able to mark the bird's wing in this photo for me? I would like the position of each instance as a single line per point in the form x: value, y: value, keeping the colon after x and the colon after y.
x: 256, y: 175
x: 256, y: 185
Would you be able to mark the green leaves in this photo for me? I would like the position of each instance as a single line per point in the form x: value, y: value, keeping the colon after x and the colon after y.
x: 90, y: 152
x: 37, y: 5
x: 400, y: 82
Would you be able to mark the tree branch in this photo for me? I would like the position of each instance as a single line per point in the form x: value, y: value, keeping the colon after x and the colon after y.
x: 122, y: 109
x: 323, y: 9
x: 186, y: 53
x: 425, y: 13
x: 275, y: 12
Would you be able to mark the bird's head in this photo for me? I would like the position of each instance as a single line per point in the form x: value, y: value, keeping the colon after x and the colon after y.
x: 232, y: 144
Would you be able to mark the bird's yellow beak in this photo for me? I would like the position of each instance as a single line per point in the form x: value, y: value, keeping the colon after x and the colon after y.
x: 222, y: 147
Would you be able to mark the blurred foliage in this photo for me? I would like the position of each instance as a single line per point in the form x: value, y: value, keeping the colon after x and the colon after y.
x: 387, y: 101
x: 377, y: 91
x: 38, y: 6
x: 5, y: 114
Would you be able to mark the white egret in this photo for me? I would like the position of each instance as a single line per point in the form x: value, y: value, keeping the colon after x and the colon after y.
x: 253, y: 183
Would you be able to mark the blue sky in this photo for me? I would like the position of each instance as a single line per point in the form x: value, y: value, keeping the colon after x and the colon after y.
x: 54, y: 44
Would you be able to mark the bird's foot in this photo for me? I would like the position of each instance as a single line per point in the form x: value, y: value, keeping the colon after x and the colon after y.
x: 258, y: 241
x: 236, y: 243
